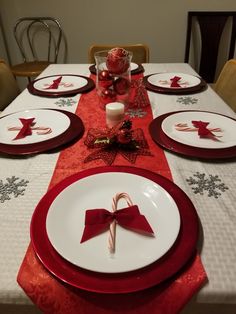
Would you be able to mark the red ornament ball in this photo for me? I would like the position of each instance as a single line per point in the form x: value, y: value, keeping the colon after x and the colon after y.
x: 104, y: 75
x: 108, y: 95
x: 118, y: 60
x: 121, y: 85
x: 124, y: 136
x: 105, y: 79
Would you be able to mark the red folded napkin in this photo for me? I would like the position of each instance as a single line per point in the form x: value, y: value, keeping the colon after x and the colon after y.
x: 174, y: 81
x: 99, y: 220
x: 203, y: 131
x: 55, y: 83
x: 26, y: 129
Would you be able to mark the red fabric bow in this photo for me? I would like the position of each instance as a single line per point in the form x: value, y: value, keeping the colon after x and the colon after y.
x: 99, y: 220
x: 55, y: 83
x: 203, y: 131
x: 174, y: 81
x: 26, y: 129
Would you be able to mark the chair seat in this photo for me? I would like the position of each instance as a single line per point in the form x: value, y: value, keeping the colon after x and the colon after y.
x: 29, y: 69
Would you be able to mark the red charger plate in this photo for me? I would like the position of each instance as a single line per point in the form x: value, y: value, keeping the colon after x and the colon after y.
x: 163, y: 140
x: 75, y: 130
x: 153, y: 274
x: 55, y: 93
x: 180, y: 91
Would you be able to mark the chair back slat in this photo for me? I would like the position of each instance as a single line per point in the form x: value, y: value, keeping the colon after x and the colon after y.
x: 212, y: 26
x: 33, y: 26
x: 225, y: 85
x: 8, y: 85
x: 140, y: 51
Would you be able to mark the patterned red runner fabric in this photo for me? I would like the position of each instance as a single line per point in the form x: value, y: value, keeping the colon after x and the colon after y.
x: 72, y: 159
x: 50, y: 295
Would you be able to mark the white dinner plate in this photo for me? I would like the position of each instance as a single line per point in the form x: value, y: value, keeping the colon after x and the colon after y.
x: 67, y: 83
x: 133, y: 66
x: 57, y: 121
x: 66, y: 214
x: 227, y: 125
x: 163, y: 80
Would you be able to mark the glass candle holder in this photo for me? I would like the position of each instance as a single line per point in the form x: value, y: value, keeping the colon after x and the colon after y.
x: 113, y: 76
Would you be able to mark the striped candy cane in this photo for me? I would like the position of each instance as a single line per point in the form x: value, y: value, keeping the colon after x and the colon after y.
x: 186, y: 128
x: 112, y: 231
x: 40, y: 130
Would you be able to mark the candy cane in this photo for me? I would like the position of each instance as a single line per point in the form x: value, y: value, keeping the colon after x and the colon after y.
x: 112, y: 232
x: 184, y: 127
x: 44, y: 130
x: 67, y: 84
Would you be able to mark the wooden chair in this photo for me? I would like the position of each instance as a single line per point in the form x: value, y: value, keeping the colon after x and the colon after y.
x: 214, y: 32
x: 8, y: 85
x: 140, y: 52
x: 38, y: 39
x: 225, y: 85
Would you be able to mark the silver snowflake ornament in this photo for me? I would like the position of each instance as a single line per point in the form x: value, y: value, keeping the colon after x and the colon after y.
x: 13, y: 187
x: 211, y: 184
x: 187, y: 100
x: 135, y: 113
x: 68, y: 102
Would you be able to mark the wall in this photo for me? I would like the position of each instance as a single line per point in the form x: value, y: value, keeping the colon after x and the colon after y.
x: 160, y: 24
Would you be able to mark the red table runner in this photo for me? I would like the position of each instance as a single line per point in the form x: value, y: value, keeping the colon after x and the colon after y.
x: 51, y: 296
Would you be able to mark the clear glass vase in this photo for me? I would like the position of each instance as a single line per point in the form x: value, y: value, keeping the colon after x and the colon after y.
x: 113, y: 77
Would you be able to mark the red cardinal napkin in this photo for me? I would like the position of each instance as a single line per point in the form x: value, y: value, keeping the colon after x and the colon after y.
x: 55, y: 83
x: 203, y: 131
x: 174, y: 81
x: 26, y: 129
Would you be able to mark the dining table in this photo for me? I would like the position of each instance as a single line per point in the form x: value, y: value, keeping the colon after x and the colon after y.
x: 199, y: 278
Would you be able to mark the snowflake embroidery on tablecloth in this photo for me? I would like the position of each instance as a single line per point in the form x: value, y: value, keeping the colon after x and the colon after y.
x: 187, y: 100
x: 212, y: 184
x: 135, y: 113
x: 65, y: 102
x: 12, y: 187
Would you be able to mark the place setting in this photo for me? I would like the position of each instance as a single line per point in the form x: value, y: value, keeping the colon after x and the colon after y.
x: 60, y: 85
x: 174, y: 83
x: 104, y: 212
x: 38, y: 130
x: 194, y: 133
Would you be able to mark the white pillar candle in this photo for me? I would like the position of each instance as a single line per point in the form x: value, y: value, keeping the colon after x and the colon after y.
x: 115, y: 112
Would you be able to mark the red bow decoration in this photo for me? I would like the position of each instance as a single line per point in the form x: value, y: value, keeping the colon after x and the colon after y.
x: 26, y: 129
x: 99, y: 220
x: 55, y: 83
x: 203, y: 131
x: 121, y: 139
x: 174, y: 81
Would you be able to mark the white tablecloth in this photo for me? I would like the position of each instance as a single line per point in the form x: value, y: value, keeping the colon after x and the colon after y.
x: 217, y: 212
